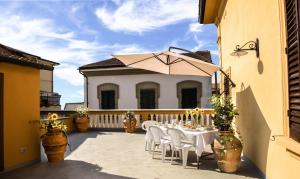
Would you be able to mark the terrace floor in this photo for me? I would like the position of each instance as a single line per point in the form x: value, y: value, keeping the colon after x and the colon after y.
x: 120, y: 155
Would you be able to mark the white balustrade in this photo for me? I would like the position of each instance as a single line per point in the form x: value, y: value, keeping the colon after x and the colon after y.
x: 114, y: 118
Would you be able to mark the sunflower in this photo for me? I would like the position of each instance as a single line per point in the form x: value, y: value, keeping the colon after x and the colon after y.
x: 54, y: 116
x: 49, y: 116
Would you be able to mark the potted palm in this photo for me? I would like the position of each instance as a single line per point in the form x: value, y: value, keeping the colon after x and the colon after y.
x: 226, y: 146
x: 82, y: 118
x: 129, y: 122
x: 54, y: 138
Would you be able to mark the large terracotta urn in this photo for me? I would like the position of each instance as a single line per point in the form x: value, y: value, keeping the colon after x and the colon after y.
x: 82, y: 123
x: 130, y: 125
x: 55, y: 143
x: 227, y: 149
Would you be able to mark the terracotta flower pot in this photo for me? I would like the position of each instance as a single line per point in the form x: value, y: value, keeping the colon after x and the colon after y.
x: 227, y: 149
x: 54, y: 143
x: 130, y: 125
x: 82, y: 123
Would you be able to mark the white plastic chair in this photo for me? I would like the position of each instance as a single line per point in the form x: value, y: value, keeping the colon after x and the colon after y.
x: 159, y: 140
x: 177, y: 138
x: 148, y: 136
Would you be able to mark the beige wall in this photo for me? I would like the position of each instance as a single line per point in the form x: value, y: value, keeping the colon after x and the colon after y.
x: 46, y: 80
x: 260, y: 94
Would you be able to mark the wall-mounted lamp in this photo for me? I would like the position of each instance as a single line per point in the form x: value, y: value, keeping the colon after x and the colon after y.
x: 251, y: 45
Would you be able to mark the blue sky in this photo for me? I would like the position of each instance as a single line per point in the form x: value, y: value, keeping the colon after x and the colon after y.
x: 75, y: 33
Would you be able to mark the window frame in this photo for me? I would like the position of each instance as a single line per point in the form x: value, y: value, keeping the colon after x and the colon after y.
x: 147, y: 85
x: 108, y: 87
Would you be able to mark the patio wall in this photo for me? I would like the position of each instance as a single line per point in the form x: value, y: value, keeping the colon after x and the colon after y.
x: 261, y: 89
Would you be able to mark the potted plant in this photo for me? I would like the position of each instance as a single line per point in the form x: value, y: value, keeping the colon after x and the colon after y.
x: 54, y: 139
x: 129, y: 122
x: 196, y: 117
x: 82, y: 118
x: 226, y: 146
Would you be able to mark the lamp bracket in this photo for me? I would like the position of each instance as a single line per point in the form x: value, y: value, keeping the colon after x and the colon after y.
x: 251, y: 45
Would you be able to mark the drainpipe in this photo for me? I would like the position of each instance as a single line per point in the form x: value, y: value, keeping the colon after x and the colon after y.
x: 87, y: 88
x: 216, y: 84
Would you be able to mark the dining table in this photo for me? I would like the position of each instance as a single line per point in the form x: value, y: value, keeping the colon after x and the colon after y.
x: 200, y: 138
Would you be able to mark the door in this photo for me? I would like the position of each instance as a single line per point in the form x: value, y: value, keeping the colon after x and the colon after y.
x: 147, y: 100
x: 108, y: 99
x: 189, y: 98
x: 1, y: 122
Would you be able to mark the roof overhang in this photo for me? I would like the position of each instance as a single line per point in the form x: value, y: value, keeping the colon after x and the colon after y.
x: 36, y: 64
x: 18, y: 57
x: 208, y: 10
x: 114, y: 71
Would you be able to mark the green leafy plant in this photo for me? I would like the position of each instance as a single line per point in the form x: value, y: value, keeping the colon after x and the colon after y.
x: 52, y: 123
x: 225, y: 112
x: 82, y: 111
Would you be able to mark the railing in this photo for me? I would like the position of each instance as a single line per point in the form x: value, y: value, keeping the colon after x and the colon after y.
x: 114, y: 118
x: 49, y: 99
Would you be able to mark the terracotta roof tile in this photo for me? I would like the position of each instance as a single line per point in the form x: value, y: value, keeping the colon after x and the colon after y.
x: 11, y: 55
x: 109, y: 63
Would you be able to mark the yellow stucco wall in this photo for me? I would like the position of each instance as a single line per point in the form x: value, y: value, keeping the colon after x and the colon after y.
x: 261, y: 90
x: 21, y: 106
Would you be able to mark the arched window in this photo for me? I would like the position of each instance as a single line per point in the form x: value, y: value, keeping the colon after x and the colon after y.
x: 189, y: 94
x: 108, y: 95
x: 147, y: 94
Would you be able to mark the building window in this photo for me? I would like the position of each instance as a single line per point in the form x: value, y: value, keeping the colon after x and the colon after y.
x: 108, y: 95
x: 147, y: 94
x: 147, y: 99
x: 108, y: 99
x: 189, y: 98
x: 189, y: 94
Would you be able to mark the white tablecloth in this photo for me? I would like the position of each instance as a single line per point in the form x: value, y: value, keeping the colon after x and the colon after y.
x: 200, y: 138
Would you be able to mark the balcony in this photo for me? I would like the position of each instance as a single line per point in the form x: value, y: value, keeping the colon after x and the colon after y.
x: 48, y: 99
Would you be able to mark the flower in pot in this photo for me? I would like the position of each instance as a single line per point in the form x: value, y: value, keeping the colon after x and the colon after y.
x: 226, y: 146
x: 196, y: 117
x: 54, y: 138
x: 82, y: 118
x: 129, y: 122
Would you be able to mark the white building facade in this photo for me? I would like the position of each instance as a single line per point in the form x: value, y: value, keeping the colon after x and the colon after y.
x: 110, y: 85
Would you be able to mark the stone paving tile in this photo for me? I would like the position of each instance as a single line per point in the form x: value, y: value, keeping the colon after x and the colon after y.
x: 120, y: 155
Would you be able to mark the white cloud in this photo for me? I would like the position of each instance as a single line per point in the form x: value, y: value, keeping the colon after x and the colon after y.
x: 78, y: 94
x: 69, y: 73
x: 75, y: 8
x: 200, y: 44
x: 45, y: 38
x: 117, y: 2
x: 214, y: 52
x: 195, y: 27
x: 140, y: 16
